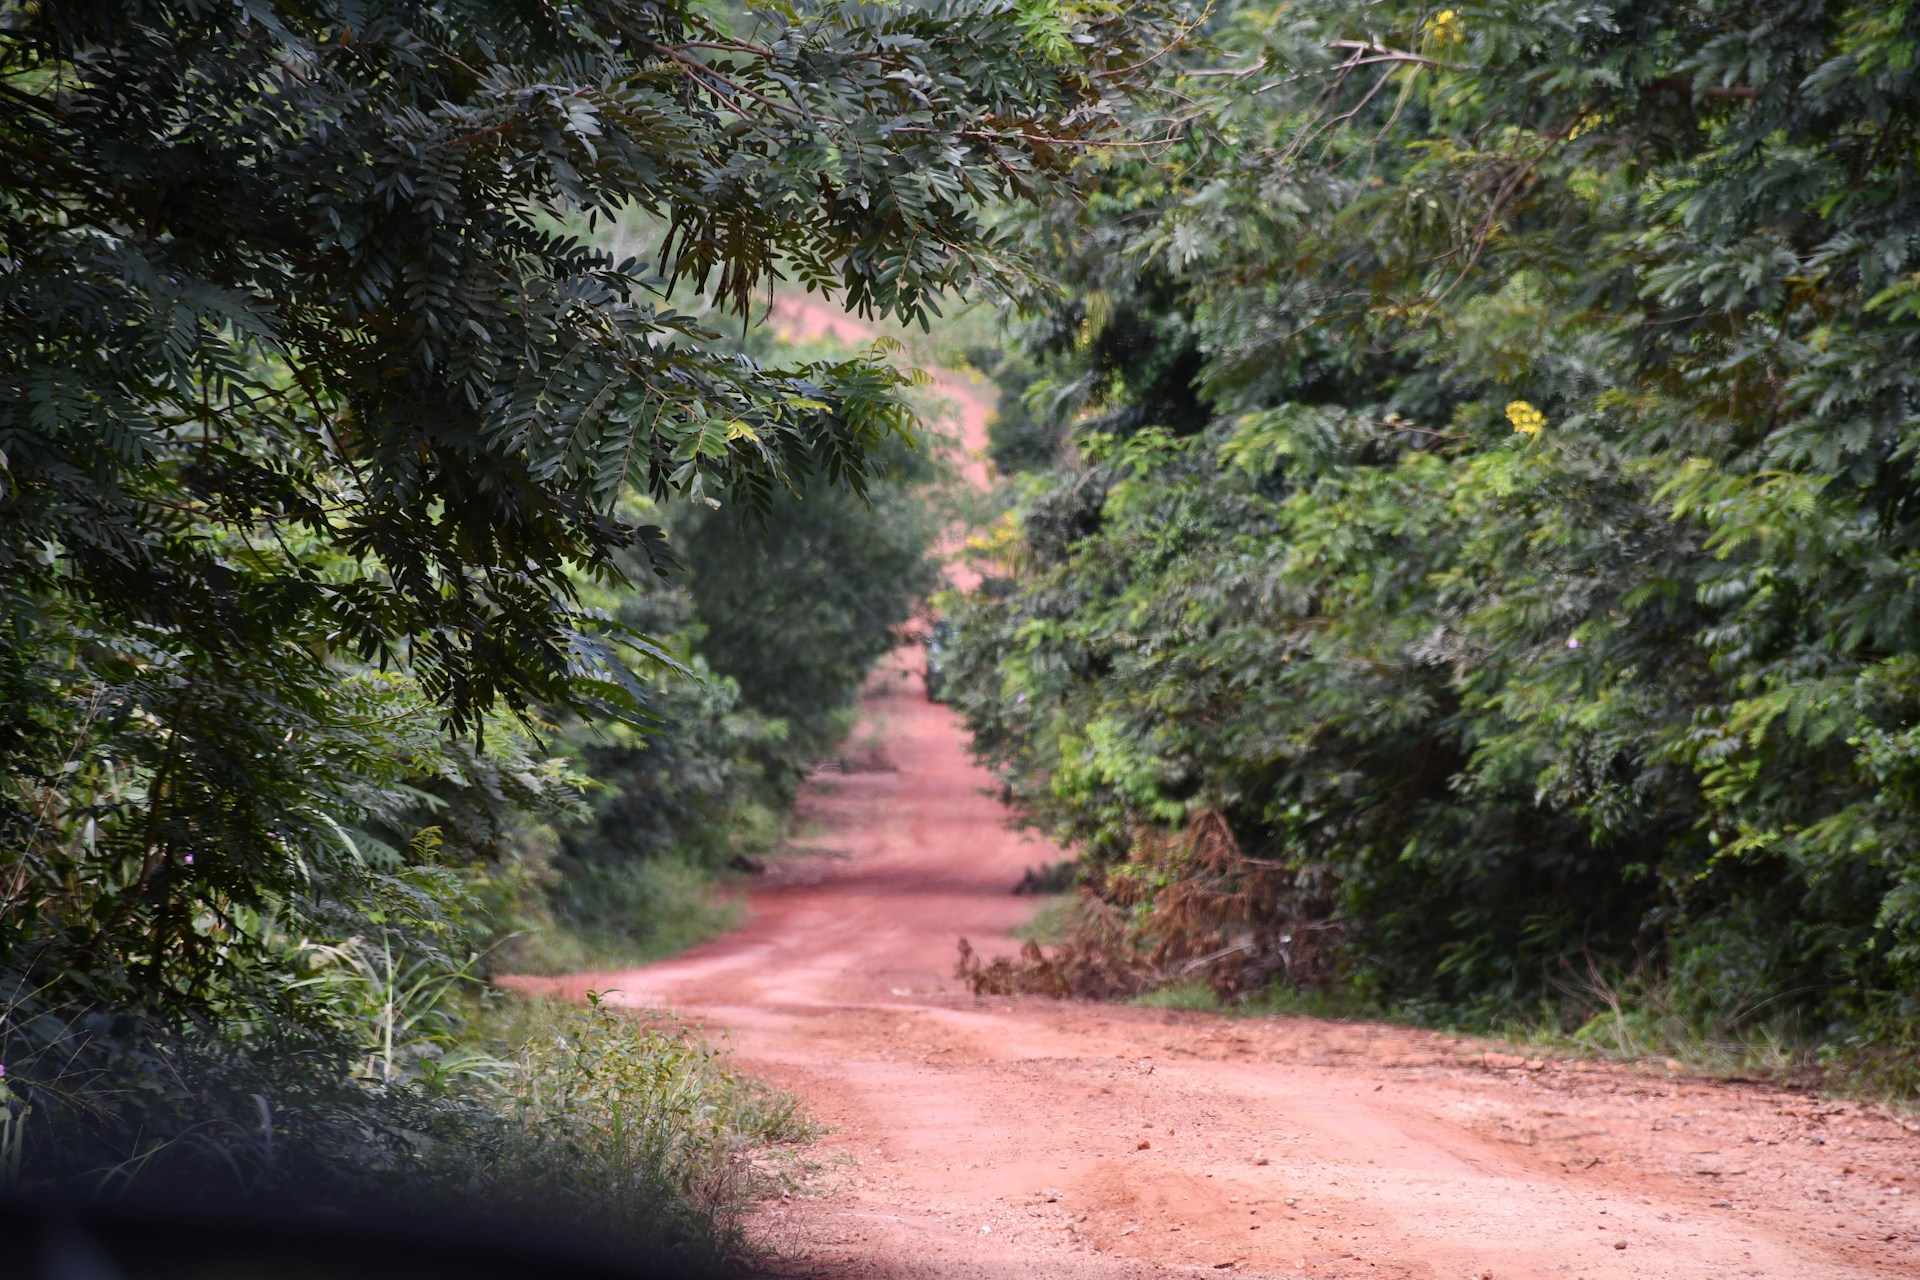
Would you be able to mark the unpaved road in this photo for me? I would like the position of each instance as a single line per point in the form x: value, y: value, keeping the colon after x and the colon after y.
x: 1026, y: 1138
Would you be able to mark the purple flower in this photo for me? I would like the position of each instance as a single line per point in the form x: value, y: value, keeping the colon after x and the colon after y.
x: 1573, y: 642
x: 189, y: 859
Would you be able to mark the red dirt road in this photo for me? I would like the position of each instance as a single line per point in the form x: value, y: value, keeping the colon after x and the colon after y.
x: 999, y: 1138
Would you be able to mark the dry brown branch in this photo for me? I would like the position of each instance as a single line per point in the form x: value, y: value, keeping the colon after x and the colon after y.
x: 1185, y: 902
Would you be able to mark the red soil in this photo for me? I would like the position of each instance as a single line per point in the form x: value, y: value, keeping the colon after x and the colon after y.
x: 1014, y: 1138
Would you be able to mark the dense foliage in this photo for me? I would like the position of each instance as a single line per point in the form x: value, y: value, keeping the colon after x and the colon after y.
x: 1483, y: 565
x: 780, y: 618
x: 324, y: 444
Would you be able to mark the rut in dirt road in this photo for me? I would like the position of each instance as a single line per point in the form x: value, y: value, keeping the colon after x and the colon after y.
x: 1004, y: 1138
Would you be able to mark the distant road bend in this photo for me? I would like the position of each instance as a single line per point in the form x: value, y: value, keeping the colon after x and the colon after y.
x: 1032, y: 1138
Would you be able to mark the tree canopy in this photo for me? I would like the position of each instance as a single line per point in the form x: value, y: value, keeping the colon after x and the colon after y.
x: 321, y: 422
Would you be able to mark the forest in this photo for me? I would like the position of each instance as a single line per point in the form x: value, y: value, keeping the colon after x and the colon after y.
x: 1462, y: 545
x: 418, y: 559
x: 1451, y: 556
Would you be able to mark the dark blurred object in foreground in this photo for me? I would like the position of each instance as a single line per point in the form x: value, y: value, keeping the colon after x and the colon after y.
x: 148, y: 1240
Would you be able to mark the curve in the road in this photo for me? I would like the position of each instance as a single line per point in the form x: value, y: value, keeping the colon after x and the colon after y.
x: 1026, y: 1138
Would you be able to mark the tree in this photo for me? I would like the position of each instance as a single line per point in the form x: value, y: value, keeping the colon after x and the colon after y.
x: 1533, y: 591
x: 313, y: 417
x: 798, y: 608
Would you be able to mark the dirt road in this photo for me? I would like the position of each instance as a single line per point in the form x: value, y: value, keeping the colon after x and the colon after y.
x: 1026, y: 1138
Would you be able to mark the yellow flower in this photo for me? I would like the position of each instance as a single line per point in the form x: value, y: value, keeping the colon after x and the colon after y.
x: 1446, y: 28
x: 1585, y: 124
x: 1526, y: 419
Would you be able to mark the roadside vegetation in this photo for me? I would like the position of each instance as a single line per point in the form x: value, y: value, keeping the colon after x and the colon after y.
x: 1461, y: 550
x: 402, y: 574
x: 778, y: 617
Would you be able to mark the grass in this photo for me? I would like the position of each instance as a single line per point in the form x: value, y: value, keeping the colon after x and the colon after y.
x: 575, y: 1120
x: 1052, y: 923
x: 1274, y: 1002
x: 1195, y: 997
x: 625, y: 1127
x: 635, y: 1131
x: 626, y: 914
x: 1645, y: 1026
x: 1657, y: 1022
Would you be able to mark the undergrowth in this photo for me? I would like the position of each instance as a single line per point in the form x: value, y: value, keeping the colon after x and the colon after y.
x: 639, y: 1131
x: 1052, y: 924
x: 1643, y: 1025
x: 449, y: 1101
x: 628, y: 913
x: 1196, y: 958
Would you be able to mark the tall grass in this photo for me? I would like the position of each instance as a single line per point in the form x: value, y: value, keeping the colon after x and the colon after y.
x: 434, y: 1096
x: 640, y: 1131
x: 1677, y: 1018
x: 609, y: 915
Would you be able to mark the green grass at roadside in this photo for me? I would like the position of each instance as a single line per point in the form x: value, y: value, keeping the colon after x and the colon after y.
x: 1052, y: 922
x: 622, y: 1128
x: 632, y: 1129
x: 630, y: 913
x: 628, y: 1124
x: 1646, y: 1027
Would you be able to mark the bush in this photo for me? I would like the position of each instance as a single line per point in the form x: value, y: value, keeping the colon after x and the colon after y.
x: 578, y: 1121
x: 631, y: 912
x: 635, y: 1133
x: 1485, y: 543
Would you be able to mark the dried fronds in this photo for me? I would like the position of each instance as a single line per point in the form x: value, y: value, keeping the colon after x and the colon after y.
x: 1182, y: 903
x: 1096, y: 963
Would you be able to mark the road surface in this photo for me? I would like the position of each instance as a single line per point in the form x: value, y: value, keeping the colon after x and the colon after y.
x: 999, y: 1138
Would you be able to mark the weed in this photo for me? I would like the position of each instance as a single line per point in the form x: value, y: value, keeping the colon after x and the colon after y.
x: 1052, y: 924
x: 626, y: 913
x: 1196, y: 996
x: 639, y: 1130
x: 402, y: 1006
x: 1675, y: 1018
x: 13, y: 1124
x: 1634, y: 1022
x: 1269, y: 1002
